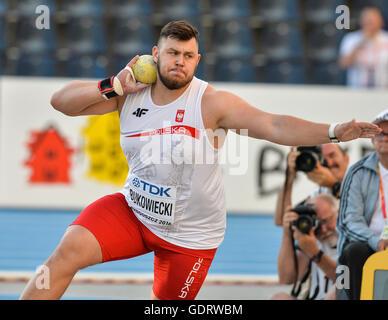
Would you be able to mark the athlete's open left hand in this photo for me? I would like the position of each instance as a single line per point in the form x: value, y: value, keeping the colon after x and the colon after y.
x: 353, y: 130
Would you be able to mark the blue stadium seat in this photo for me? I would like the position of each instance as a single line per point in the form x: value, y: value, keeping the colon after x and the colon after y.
x: 282, y: 41
x: 278, y: 10
x: 323, y: 42
x: 30, y: 39
x: 230, y: 9
x: 201, y: 70
x: 36, y: 64
x: 2, y: 62
x: 86, y: 66
x: 284, y: 72
x: 132, y: 37
x: 86, y: 35
x: 322, y: 11
x: 3, y: 7
x: 179, y: 10
x: 131, y: 8
x: 83, y: 8
x: 235, y: 70
x: 232, y: 39
x: 26, y: 8
x: 328, y: 73
x: 3, y: 34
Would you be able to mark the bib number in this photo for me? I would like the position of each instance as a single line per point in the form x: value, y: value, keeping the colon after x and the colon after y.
x: 155, y: 202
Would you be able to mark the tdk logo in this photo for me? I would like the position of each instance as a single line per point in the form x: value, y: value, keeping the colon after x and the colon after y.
x: 136, y: 182
x: 151, y: 188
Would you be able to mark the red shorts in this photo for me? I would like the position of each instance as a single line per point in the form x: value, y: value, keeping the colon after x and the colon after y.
x: 178, y: 272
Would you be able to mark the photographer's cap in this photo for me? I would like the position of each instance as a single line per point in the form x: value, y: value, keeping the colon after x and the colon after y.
x: 382, y: 116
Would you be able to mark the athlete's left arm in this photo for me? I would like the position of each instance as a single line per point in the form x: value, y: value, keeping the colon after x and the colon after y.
x: 232, y: 112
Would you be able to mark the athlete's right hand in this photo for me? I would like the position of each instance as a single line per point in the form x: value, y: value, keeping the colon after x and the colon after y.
x: 127, y: 80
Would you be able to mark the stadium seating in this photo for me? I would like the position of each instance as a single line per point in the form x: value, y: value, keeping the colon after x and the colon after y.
x: 232, y: 39
x: 230, y: 9
x: 284, y: 72
x: 85, y: 35
x: 89, y: 66
x: 282, y: 41
x: 323, y: 42
x: 277, y: 10
x: 178, y: 10
x: 33, y: 40
x: 326, y: 73
x: 83, y: 8
x: 3, y: 7
x: 235, y: 70
x: 3, y: 34
x: 131, y: 37
x: 283, y: 34
x: 36, y: 64
x: 121, y: 9
x: 322, y: 11
x: 27, y: 8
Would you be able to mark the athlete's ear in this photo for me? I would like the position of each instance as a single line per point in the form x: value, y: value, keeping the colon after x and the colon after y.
x: 155, y: 53
x: 199, y: 58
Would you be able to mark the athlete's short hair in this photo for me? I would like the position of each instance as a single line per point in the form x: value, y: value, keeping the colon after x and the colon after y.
x: 180, y: 30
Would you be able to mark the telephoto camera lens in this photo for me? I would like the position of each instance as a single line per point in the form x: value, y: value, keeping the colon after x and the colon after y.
x: 307, y: 160
x: 307, y: 218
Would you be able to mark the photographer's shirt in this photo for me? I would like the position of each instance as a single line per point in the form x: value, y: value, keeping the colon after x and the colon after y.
x: 320, y: 283
x: 377, y: 223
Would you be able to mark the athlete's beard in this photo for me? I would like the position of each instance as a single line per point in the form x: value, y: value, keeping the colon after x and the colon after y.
x: 172, y: 84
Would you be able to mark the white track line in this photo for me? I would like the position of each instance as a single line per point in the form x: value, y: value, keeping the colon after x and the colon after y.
x: 144, y: 278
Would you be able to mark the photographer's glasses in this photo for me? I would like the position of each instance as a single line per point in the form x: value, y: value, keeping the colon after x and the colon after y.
x: 327, y: 220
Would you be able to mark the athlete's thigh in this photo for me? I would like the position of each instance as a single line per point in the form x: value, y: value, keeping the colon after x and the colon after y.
x: 79, y: 247
x: 114, y: 226
x: 178, y: 276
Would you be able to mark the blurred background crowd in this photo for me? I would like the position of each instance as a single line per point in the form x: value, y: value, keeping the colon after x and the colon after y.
x: 272, y: 41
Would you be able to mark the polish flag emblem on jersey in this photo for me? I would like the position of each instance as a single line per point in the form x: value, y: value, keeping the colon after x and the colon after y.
x: 179, y: 115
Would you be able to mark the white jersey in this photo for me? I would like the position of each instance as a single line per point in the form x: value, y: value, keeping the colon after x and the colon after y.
x: 173, y: 186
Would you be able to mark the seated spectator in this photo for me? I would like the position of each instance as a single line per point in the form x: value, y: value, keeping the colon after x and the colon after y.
x: 362, y: 215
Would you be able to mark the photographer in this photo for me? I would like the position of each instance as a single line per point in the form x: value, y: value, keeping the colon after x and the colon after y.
x: 328, y: 172
x: 310, y: 264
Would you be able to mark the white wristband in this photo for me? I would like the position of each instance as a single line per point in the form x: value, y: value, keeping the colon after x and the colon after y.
x: 131, y: 73
x: 117, y: 86
x: 332, y: 136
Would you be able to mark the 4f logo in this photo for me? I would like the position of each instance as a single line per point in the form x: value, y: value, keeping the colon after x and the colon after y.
x: 139, y: 112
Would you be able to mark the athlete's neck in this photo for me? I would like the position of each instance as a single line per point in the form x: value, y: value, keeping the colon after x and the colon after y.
x: 161, y: 95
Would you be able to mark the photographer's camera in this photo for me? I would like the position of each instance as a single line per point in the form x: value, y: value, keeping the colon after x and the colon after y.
x: 308, y: 158
x: 307, y: 218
